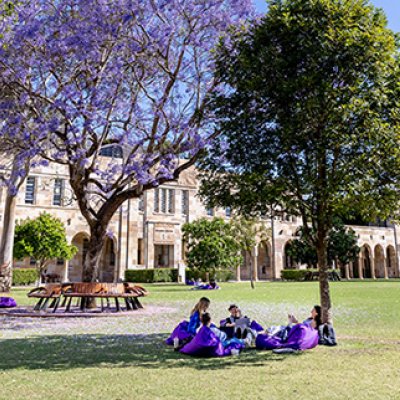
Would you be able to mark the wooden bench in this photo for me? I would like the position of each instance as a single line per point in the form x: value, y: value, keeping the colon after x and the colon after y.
x: 51, y: 291
x: 92, y: 290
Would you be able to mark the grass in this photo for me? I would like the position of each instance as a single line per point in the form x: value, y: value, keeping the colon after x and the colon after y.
x: 125, y: 358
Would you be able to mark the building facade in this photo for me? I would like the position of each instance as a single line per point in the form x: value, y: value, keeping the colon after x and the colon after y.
x: 146, y: 232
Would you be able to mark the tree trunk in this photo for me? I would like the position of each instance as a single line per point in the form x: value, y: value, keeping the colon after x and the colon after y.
x: 251, y: 274
x: 95, y: 248
x: 7, y: 236
x: 322, y: 252
x: 90, y: 272
x: 7, y: 242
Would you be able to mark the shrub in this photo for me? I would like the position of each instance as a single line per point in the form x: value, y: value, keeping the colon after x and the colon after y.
x: 302, y: 274
x: 152, y: 275
x: 24, y: 276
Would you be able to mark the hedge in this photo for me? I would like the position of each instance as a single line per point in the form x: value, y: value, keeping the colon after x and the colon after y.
x: 220, y: 275
x: 302, y: 274
x: 171, y: 275
x: 24, y: 276
x: 151, y: 275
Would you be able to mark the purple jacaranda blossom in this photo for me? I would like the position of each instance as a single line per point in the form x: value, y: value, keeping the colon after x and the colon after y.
x: 130, y: 74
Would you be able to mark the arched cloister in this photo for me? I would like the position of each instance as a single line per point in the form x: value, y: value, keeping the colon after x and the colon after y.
x: 108, y: 260
x: 391, y: 264
x: 81, y: 241
x: 365, y: 262
x: 379, y: 261
x: 288, y: 262
x: 264, y: 262
x: 245, y: 267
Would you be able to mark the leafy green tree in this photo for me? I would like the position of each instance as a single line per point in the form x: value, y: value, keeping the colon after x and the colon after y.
x: 342, y: 247
x: 248, y: 232
x: 211, y: 245
x: 7, y: 17
x: 311, y: 119
x: 44, y: 239
x: 302, y: 251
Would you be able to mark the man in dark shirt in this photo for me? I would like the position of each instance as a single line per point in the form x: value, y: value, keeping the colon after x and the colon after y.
x: 229, y: 325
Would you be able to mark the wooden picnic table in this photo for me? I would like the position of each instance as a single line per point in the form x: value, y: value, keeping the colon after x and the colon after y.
x: 84, y: 291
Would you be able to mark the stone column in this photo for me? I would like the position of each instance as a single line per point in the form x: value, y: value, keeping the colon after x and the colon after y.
x: 177, y: 247
x: 66, y: 265
x: 149, y: 245
x: 181, y: 272
x: 397, y: 263
x: 238, y: 273
x: 254, y: 256
x: 347, y: 272
x: 360, y: 268
x: 372, y: 260
x: 385, y: 268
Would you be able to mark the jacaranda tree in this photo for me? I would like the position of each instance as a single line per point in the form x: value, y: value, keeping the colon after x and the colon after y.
x: 311, y: 118
x: 131, y: 75
x: 12, y: 173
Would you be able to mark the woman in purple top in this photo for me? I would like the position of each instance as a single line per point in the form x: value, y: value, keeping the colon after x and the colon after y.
x: 185, y: 330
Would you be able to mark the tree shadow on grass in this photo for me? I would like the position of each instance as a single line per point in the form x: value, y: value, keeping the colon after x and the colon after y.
x: 61, y: 352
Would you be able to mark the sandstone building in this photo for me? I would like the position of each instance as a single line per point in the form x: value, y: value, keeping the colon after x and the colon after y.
x: 146, y: 232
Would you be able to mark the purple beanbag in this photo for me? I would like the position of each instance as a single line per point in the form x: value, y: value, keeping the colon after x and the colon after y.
x: 207, y: 344
x: 180, y: 332
x: 7, y: 302
x: 256, y: 326
x: 301, y: 337
x: 206, y: 287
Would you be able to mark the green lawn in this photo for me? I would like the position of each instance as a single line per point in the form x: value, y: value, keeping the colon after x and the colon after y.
x: 125, y: 358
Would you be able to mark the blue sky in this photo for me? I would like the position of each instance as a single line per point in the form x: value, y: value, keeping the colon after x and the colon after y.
x: 391, y: 8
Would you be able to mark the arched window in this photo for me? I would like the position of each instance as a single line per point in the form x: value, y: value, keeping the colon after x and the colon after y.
x: 113, y: 151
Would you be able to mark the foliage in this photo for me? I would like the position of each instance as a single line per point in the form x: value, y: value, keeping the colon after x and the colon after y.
x: 248, y: 233
x: 220, y: 275
x: 302, y: 252
x: 171, y: 275
x: 42, y: 238
x: 294, y: 274
x: 24, y: 276
x: 301, y: 274
x: 212, y: 245
x: 342, y: 246
x: 131, y: 76
x: 311, y: 119
x: 151, y: 275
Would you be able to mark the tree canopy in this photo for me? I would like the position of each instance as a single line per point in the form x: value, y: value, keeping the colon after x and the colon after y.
x: 211, y: 245
x: 131, y: 75
x: 342, y: 247
x: 310, y: 119
x: 42, y: 238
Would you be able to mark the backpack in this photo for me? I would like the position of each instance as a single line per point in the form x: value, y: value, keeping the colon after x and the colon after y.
x: 327, y: 335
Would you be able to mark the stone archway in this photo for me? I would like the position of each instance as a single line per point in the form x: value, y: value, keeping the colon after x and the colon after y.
x: 391, y: 264
x: 108, y: 261
x: 379, y: 261
x: 264, y: 261
x: 288, y: 262
x: 355, y: 270
x: 81, y: 241
x: 366, y: 262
